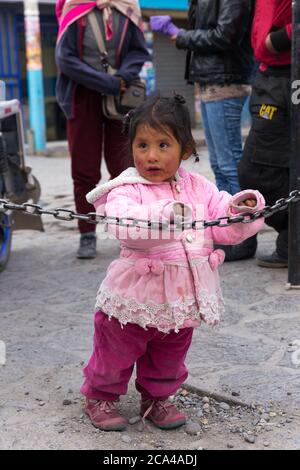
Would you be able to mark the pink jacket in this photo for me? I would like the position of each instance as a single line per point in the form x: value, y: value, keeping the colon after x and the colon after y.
x: 168, y: 280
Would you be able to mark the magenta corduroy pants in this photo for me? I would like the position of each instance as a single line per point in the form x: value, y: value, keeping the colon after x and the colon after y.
x: 159, y: 360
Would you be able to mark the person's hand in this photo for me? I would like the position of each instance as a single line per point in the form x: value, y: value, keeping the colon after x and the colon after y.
x: 179, y: 209
x: 269, y: 45
x: 123, y: 85
x: 163, y: 24
x: 248, y: 203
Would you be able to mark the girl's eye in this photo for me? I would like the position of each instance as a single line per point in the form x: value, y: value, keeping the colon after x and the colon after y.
x: 142, y: 145
x: 163, y: 145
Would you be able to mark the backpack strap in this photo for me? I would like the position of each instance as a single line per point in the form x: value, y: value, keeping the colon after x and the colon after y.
x: 124, y: 31
x: 99, y: 41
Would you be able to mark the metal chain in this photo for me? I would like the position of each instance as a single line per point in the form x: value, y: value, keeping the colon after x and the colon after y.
x: 93, y: 218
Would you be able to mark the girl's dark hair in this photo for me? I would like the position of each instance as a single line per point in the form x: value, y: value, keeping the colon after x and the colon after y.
x: 160, y: 113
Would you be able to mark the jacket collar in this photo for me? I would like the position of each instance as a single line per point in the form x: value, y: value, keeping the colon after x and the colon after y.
x: 129, y: 176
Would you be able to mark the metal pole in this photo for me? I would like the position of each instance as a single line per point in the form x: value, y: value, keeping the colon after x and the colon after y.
x: 35, y: 73
x: 294, y: 210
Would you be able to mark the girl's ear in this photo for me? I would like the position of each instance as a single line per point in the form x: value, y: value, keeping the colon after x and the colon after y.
x: 188, y: 152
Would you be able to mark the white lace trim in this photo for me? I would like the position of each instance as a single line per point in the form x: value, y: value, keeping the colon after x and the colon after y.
x: 165, y: 317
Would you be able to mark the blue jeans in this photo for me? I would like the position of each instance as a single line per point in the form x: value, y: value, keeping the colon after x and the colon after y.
x: 222, y: 128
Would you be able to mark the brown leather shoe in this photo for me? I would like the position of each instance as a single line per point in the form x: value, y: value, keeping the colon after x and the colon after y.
x: 104, y: 415
x: 162, y: 413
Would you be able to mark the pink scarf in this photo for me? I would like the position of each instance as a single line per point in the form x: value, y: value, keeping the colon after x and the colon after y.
x: 69, y: 11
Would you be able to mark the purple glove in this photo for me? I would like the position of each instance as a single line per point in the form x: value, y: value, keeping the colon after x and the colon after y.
x: 163, y: 24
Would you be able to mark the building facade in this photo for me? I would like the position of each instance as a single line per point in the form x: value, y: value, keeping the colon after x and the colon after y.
x: 169, y: 63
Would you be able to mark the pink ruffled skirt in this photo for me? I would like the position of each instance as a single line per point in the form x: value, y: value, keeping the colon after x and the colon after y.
x: 167, y: 295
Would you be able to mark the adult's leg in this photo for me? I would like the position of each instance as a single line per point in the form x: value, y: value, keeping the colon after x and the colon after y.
x: 116, y: 148
x: 85, y: 144
x: 212, y: 151
x: 266, y: 158
x: 161, y: 370
x: 224, y: 118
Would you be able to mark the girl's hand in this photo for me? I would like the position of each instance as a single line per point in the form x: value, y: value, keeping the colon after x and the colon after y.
x: 248, y: 203
x: 269, y: 45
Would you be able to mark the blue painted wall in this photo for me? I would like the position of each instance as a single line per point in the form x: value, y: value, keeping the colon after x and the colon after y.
x: 165, y: 4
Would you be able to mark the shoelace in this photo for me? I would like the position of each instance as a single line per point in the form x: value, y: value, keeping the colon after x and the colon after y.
x: 106, y: 406
x: 162, y: 404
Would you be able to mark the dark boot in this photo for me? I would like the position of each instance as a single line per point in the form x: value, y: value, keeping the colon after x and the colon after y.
x: 87, y: 246
x: 272, y: 261
x: 243, y: 250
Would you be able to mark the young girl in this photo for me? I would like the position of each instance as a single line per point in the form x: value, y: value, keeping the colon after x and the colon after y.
x: 164, y: 283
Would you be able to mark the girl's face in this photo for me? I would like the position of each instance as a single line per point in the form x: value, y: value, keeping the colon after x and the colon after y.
x: 157, y: 154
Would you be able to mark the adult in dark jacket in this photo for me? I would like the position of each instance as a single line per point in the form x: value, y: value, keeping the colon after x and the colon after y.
x: 220, y: 60
x: 81, y: 83
x: 266, y: 160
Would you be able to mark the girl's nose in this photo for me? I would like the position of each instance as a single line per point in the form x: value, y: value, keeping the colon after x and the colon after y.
x: 152, y: 156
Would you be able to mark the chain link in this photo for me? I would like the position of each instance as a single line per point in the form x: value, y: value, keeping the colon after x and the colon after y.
x: 93, y: 218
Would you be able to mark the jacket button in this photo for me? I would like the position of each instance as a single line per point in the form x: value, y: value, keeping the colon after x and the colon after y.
x: 189, y: 238
x: 178, y: 188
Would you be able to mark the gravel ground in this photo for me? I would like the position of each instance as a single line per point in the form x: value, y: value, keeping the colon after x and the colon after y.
x: 32, y: 420
x: 46, y: 304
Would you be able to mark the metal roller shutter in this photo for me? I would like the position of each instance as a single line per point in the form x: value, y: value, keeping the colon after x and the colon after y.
x: 169, y: 63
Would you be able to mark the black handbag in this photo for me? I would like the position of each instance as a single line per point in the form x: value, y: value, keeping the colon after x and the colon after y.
x: 116, y: 106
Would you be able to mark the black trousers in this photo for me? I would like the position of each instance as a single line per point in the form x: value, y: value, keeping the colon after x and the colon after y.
x: 266, y: 157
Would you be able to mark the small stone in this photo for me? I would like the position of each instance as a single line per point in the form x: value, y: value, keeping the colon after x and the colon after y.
x: 266, y: 444
x: 140, y: 427
x: 199, y: 414
x: 235, y: 394
x: 196, y: 445
x: 272, y: 414
x: 184, y: 393
x: 193, y: 429
x: 126, y: 439
x: 205, y: 400
x: 26, y: 393
x: 248, y: 438
x: 134, y: 420
x: 70, y: 390
x: 58, y: 387
x: 224, y: 406
x: 204, y: 421
x: 265, y: 417
x: 41, y: 403
x: 159, y: 444
x: 67, y: 402
x: 60, y: 431
x: 230, y: 446
x: 206, y: 408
